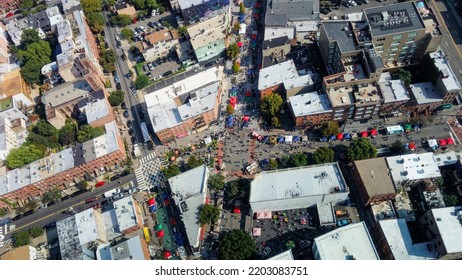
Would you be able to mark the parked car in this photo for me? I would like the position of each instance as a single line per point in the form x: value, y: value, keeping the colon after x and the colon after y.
x: 340, y: 213
x: 151, y: 24
x: 126, y: 114
x: 344, y: 222
x: 116, y: 80
x: 91, y: 199
x: 99, y: 184
x: 133, y: 90
x: 115, y: 177
x: 123, y: 105
x: 168, y: 73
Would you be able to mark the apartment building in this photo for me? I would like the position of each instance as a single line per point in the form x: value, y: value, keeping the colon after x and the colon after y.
x: 12, y: 135
x: 159, y: 44
x: 395, y: 96
x: 95, y: 109
x: 207, y: 24
x: 310, y: 109
x: 4, y: 52
x: 185, y: 103
x: 62, y: 169
x: 15, y: 107
x: 9, y: 5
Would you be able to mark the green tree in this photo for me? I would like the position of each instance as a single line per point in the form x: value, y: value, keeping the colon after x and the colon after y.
x: 241, y: 8
x: 23, y: 155
x: 26, y: 5
x: 124, y: 20
x: 236, y: 245
x: 152, y: 4
x: 36, y: 232
x: 403, y: 75
x: 53, y: 194
x: 230, y: 109
x: 127, y: 33
x: 31, y: 205
x: 28, y: 37
x: 233, y: 189
x: 237, y: 26
x: 142, y: 81
x: 31, y: 71
x: 330, y: 128
x: 361, y: 149
x: 208, y: 214
x: 161, y: 9
x: 236, y: 67
x: 194, y: 162
x: 110, y: 2
x: 82, y: 185
x: 139, y: 4
x: 116, y: 98
x: 21, y: 238
x: 284, y: 160
x: 323, y: 155
x: 107, y: 60
x: 397, y: 147
x: 36, y: 51
x: 271, y: 104
x: 45, y: 129
x: 216, y: 182
x: 166, y: 24
x: 298, y: 159
x: 68, y: 134
x: 451, y: 200
x: 90, y: 6
x: 273, y: 164
x: 86, y: 133
x: 183, y: 31
x: 3, y: 212
x: 95, y: 22
x: 232, y: 51
x: 171, y: 171
x: 275, y: 121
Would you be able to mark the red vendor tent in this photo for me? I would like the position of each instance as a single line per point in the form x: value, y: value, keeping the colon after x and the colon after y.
x: 364, y: 134
x: 442, y: 142
x: 239, y: 44
x: 245, y: 118
x: 152, y: 202
x: 160, y: 233
x: 449, y: 141
x: 373, y: 132
x: 340, y: 136
x: 412, y: 146
x: 167, y: 254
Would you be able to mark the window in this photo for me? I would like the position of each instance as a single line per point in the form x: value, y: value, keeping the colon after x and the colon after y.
x: 380, y: 39
x: 397, y: 37
x: 412, y: 34
x: 379, y: 45
x: 395, y: 43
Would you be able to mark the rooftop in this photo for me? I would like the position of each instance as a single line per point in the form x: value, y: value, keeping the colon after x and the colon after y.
x: 448, y: 221
x: 413, y: 167
x: 294, y: 188
x: 284, y: 256
x: 375, y: 177
x: 341, y: 32
x: 449, y: 78
x: 276, y: 42
x: 11, y: 83
x: 392, y: 90
x: 275, y: 20
x: 295, y: 9
x: 392, y: 19
x: 189, y: 191
x: 273, y: 32
x: 325, y: 214
x: 207, y: 32
x: 158, y: 36
x: 309, y: 104
x: 447, y: 158
x: 197, y: 10
x: 96, y: 110
x: 282, y: 73
x: 350, y: 242
x: 129, y: 249
x: 425, y: 93
x: 125, y: 213
x: 399, y: 240
x: 70, y: 4
x: 66, y: 92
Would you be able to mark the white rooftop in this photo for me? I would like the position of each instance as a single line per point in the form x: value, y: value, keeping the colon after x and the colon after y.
x: 450, y: 81
x: 285, y: 73
x: 325, y: 213
x: 284, y: 256
x: 276, y: 32
x: 310, y: 104
x: 401, y: 245
x: 413, y: 167
x: 202, y: 89
x: 447, y: 158
x: 86, y: 226
x: 425, y: 93
x: 294, y: 188
x: 125, y: 213
x: 348, y: 242
x: 189, y: 191
x: 110, y: 224
x: 392, y: 90
x: 54, y: 15
x: 96, y: 110
x: 449, y: 227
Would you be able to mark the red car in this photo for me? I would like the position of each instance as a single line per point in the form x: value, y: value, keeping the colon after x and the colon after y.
x: 99, y: 184
x: 91, y: 199
x: 10, y: 14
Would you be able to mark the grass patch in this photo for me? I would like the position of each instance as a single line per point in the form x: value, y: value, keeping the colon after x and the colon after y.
x: 107, y: 84
x: 139, y: 68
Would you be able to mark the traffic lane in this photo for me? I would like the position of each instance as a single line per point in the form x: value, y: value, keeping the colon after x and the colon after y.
x: 451, y: 19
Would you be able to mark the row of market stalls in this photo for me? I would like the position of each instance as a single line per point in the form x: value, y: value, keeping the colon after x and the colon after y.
x: 273, y: 140
x: 435, y: 144
x: 348, y: 136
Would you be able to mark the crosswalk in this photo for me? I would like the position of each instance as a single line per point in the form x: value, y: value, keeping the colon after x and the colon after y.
x: 149, y: 174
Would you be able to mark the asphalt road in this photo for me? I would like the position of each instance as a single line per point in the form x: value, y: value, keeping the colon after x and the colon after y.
x: 56, y: 212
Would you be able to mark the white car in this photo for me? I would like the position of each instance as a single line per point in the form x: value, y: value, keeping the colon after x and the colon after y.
x: 353, y: 3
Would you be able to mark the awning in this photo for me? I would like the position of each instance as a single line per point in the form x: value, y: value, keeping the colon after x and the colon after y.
x: 288, y: 139
x: 346, y: 136
x: 449, y: 141
x: 340, y: 136
x: 158, y: 227
x: 364, y: 134
x: 263, y: 215
x: 442, y: 142
x: 373, y: 132
x: 160, y: 233
x: 151, y: 201
x: 256, y: 231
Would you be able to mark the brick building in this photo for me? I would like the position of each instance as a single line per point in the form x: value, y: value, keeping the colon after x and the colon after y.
x: 310, y: 109
x: 9, y: 5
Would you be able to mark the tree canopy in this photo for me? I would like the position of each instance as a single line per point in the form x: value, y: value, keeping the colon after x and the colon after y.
x: 271, y: 104
x: 273, y: 164
x: 232, y: 51
x: 298, y: 159
x: 95, y: 21
x: 28, y: 37
x: 236, y: 67
x: 21, y: 238
x: 330, y: 128
x: 53, y: 194
x: 323, y: 155
x: 86, y: 133
x: 33, y: 54
x: 194, y: 162
x: 116, y: 97
x: 127, y: 33
x: 183, y: 31
x: 36, y: 232
x: 107, y: 60
x: 361, y: 149
x: 398, y: 147
x: 208, y: 214
x: 403, y: 75
x: 142, y: 81
x: 236, y: 245
x: 216, y: 182
x: 23, y: 155
x: 90, y: 6
x: 241, y: 8
x: 171, y: 171
x: 67, y: 134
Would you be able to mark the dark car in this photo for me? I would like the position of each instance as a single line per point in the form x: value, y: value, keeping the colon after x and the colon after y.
x: 168, y: 73
x: 126, y: 114
x: 15, y: 218
x: 115, y: 177
x: 129, y: 123
x: 123, y: 105
x: 118, y: 86
x: 125, y: 173
x: 27, y: 213
x: 209, y: 64
x: 50, y: 225
x: 151, y: 24
x: 65, y: 197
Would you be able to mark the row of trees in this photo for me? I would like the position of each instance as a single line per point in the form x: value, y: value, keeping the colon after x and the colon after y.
x: 93, y: 13
x: 107, y: 60
x: 22, y: 238
x: 44, y: 138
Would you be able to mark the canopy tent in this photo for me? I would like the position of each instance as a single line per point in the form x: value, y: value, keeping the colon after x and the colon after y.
x: 245, y: 124
x: 346, y: 136
x: 265, y: 139
x: 449, y: 141
x: 153, y: 208
x: 433, y: 144
x: 296, y: 139
x: 254, y: 36
x: 158, y: 227
x: 243, y: 26
x: 172, y: 221
x: 406, y: 146
x: 265, y: 161
x: 273, y: 140
x: 208, y: 140
x: 257, y: 5
x: 166, y: 202
x: 248, y: 93
x: 412, y: 146
x: 239, y: 44
x: 242, y: 21
x: 288, y: 139
x: 160, y: 233
x: 407, y: 127
x: 442, y: 142
x: 373, y: 132
x: 281, y: 139
x: 256, y: 231
x: 237, y: 210
x: 167, y: 255
x: 245, y: 118
x: 233, y: 100
x: 304, y: 139
x: 263, y: 215
x: 323, y: 139
x: 257, y: 136
x: 303, y: 220
x: 364, y: 134
x: 333, y: 138
x: 340, y: 136
x: 151, y: 201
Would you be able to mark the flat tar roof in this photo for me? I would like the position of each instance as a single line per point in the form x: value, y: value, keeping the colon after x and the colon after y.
x: 375, y: 177
x: 341, y: 32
